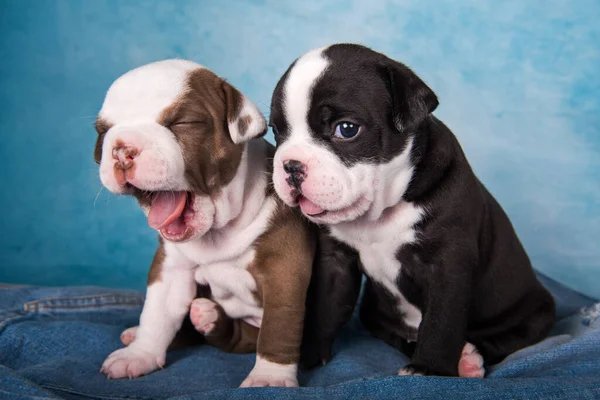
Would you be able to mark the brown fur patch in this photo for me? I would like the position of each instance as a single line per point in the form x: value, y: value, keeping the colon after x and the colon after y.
x: 199, y: 121
x: 102, y: 126
x: 243, y: 124
x: 156, y: 267
x: 233, y: 98
x: 282, y: 269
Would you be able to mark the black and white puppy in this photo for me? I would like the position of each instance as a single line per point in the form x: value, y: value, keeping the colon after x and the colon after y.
x: 360, y: 152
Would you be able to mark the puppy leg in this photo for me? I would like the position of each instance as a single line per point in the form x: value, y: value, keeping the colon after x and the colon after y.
x: 442, y: 331
x: 167, y: 303
x: 332, y: 296
x: 284, y: 282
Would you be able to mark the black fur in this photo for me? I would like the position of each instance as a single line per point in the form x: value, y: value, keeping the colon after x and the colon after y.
x: 468, y: 273
x: 332, y: 295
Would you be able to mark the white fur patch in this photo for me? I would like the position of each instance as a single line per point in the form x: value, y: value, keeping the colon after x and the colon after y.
x: 144, y: 92
x: 297, y: 92
x: 233, y: 287
x: 377, y: 243
x: 267, y: 373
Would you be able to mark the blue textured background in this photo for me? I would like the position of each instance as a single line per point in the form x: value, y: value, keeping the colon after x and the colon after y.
x: 518, y: 81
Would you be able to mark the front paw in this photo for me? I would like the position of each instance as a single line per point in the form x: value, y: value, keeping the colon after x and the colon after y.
x: 131, y: 362
x: 267, y: 373
x: 413, y: 370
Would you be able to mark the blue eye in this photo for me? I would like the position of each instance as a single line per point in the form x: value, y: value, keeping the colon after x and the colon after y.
x: 346, y: 130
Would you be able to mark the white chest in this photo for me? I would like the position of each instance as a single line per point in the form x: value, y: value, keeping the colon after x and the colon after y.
x: 377, y: 243
x: 233, y: 287
x: 222, y: 260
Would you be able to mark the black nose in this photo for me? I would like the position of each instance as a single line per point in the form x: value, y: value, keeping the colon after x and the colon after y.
x: 295, y: 171
x: 293, y: 167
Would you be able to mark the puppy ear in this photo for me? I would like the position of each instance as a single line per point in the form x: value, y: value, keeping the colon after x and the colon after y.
x: 244, y: 120
x: 412, y: 99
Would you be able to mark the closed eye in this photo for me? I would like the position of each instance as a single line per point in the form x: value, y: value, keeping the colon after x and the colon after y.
x: 101, y: 126
x: 187, y: 122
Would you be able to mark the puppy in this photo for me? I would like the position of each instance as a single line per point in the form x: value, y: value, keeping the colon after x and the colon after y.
x: 360, y: 152
x: 186, y: 145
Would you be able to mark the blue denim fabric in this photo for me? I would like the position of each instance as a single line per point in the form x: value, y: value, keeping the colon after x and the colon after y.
x: 53, y: 341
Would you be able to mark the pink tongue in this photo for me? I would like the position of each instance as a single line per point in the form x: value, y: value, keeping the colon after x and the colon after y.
x: 308, y: 207
x: 166, y: 208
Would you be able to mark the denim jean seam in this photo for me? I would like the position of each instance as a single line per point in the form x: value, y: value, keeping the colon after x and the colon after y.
x: 8, y: 317
x: 55, y: 302
x: 5, y: 321
x: 87, y: 306
x: 96, y: 396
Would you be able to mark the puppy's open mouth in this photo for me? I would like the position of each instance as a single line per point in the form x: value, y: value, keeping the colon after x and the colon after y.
x: 171, y: 213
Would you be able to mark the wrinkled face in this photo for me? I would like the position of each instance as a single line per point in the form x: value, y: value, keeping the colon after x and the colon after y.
x: 344, y: 119
x: 172, y: 134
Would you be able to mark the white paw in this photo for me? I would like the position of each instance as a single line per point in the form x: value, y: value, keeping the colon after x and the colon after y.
x: 131, y: 362
x: 471, y: 363
x: 128, y: 335
x: 267, y: 373
x: 204, y: 315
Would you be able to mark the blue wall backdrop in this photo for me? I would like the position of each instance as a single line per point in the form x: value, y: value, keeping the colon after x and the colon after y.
x: 518, y: 82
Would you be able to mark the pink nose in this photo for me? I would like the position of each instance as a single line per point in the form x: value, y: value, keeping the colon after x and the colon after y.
x: 124, y: 155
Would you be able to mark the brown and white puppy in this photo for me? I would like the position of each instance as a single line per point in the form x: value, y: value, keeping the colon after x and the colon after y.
x: 360, y: 152
x: 186, y: 144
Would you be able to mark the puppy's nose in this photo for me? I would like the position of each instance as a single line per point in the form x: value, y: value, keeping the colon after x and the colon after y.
x: 293, y: 167
x: 124, y: 155
x: 296, y: 172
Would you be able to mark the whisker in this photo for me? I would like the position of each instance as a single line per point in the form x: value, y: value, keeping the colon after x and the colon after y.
x: 98, y: 195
